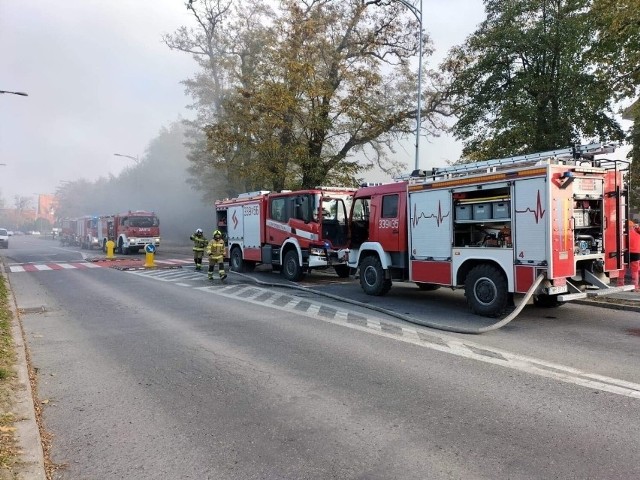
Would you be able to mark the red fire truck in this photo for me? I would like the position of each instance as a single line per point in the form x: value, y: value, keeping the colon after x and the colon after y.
x: 68, y: 229
x: 130, y: 231
x: 292, y: 231
x: 87, y: 232
x: 552, y: 222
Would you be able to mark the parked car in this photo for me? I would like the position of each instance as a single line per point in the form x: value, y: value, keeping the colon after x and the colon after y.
x: 4, y: 238
x: 10, y: 232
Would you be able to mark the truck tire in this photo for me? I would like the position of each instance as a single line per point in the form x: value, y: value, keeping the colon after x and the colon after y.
x: 372, y: 278
x: 235, y: 260
x: 427, y: 287
x: 291, y: 269
x: 122, y: 249
x: 486, y: 291
x: 547, y: 301
x: 342, y: 270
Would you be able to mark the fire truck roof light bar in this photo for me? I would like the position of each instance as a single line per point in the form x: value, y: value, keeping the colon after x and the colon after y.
x: 582, y: 151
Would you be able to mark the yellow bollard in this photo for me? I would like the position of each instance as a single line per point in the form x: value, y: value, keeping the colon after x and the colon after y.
x: 111, y: 245
x: 150, y: 251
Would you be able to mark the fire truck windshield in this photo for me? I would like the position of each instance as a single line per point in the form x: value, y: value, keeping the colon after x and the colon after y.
x: 335, y: 208
x: 142, y: 222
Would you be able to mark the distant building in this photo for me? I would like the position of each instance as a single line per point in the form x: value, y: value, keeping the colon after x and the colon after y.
x: 46, y: 208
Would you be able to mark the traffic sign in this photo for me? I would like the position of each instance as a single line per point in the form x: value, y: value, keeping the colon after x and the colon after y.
x: 150, y: 248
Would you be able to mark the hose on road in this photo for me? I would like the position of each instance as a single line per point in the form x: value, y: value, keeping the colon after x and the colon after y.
x: 447, y: 328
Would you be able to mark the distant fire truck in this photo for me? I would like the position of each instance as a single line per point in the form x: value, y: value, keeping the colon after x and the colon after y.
x: 68, y: 231
x: 87, y: 232
x: 130, y: 231
x: 551, y: 221
x: 292, y: 231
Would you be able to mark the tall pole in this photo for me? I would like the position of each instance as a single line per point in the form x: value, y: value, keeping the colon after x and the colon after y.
x: 22, y: 94
x: 136, y: 158
x: 417, y: 12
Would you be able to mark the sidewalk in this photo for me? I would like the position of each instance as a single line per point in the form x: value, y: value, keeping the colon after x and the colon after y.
x: 629, y: 301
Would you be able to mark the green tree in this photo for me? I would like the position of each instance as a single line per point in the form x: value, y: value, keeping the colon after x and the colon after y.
x: 325, y: 80
x: 634, y: 157
x: 617, y: 49
x: 522, y: 81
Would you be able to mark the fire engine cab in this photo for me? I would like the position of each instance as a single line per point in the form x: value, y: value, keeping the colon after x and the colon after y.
x: 494, y: 228
x: 294, y: 232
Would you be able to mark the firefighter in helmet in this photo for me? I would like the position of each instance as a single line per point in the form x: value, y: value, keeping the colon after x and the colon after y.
x: 199, y: 244
x: 215, y: 250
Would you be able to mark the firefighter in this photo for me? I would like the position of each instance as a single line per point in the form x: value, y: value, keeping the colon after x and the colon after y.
x: 199, y: 244
x: 215, y: 250
x: 634, y: 254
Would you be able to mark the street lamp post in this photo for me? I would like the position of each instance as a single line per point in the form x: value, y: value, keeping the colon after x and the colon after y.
x: 417, y: 12
x: 23, y: 94
x: 135, y: 159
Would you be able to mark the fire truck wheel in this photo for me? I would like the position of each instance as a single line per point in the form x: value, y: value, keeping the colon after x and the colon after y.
x: 122, y: 249
x: 236, y: 260
x: 372, y: 278
x: 291, y: 270
x: 427, y: 287
x: 547, y: 301
x: 342, y: 270
x: 486, y: 291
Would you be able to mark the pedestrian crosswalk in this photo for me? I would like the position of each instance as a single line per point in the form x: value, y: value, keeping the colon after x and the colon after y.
x: 56, y: 266
x: 46, y: 267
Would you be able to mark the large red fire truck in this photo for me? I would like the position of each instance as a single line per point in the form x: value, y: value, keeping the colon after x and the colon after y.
x: 130, y: 231
x: 552, y: 222
x: 87, y: 232
x: 292, y: 231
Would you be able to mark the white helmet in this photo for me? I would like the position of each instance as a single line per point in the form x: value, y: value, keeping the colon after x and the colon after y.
x: 198, y: 231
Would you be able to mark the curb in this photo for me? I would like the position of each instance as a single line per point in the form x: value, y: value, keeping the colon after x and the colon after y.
x: 609, y: 305
x: 31, y: 464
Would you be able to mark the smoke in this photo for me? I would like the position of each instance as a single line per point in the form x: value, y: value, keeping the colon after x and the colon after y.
x: 157, y: 183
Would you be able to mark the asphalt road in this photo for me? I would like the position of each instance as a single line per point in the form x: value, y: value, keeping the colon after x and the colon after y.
x: 162, y: 374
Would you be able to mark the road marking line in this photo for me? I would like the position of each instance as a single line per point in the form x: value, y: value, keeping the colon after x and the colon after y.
x: 440, y: 342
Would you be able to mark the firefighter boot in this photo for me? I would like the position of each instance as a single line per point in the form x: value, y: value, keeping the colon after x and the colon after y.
x: 221, y: 271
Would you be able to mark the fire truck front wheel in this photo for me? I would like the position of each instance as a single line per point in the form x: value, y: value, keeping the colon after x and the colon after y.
x: 372, y: 278
x: 486, y: 291
x: 291, y: 269
x: 122, y: 249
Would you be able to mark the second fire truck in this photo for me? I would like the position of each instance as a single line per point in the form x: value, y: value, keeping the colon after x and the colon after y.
x: 551, y: 222
x: 292, y: 231
x: 130, y: 231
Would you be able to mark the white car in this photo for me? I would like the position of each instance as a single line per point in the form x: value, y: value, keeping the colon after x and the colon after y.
x: 4, y: 238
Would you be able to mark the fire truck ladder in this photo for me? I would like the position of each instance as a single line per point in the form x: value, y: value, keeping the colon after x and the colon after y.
x: 488, y: 166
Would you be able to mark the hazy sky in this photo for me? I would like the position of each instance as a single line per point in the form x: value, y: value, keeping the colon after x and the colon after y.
x: 100, y: 81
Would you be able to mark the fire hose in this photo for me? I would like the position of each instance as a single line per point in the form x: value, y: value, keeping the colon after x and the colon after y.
x: 447, y: 328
